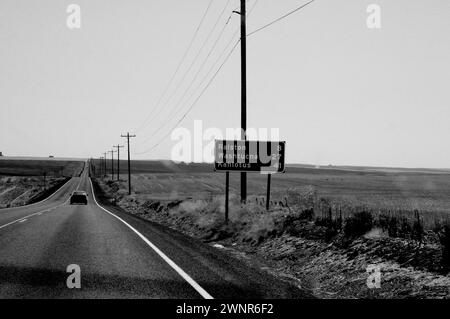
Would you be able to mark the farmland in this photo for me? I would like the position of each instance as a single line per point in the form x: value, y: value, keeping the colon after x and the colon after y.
x: 22, y: 179
x: 407, y: 189
x: 18, y: 166
x: 324, y: 227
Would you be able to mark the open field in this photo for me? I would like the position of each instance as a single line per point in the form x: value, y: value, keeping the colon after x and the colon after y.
x: 426, y: 190
x: 338, y: 222
x: 17, y: 166
x: 22, y: 190
x: 22, y: 179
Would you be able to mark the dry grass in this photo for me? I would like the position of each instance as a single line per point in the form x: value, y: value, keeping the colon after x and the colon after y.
x: 37, y: 167
x: 397, y: 191
x: 18, y: 191
x: 342, y: 204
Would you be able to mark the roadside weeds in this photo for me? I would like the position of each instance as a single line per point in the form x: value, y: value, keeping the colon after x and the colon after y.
x: 310, y: 243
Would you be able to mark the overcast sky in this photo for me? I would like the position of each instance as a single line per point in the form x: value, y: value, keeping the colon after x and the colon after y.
x: 339, y: 93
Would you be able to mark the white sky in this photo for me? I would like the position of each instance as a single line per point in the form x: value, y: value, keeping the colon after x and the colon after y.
x: 339, y: 92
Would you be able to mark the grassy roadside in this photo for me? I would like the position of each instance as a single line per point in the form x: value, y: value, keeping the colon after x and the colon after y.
x: 16, y: 167
x: 19, y: 191
x: 323, y: 247
x: 53, y: 187
x: 26, y: 181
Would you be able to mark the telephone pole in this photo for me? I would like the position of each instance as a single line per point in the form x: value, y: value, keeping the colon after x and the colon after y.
x: 102, y: 166
x: 243, y: 92
x: 118, y: 160
x: 129, y: 166
x: 112, y: 163
x: 104, y: 163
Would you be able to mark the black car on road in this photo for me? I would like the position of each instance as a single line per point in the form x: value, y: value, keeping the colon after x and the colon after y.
x: 79, y: 197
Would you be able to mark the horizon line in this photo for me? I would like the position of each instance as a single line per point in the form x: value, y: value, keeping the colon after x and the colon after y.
x: 318, y: 166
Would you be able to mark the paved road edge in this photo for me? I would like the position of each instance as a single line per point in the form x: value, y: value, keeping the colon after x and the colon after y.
x: 171, y: 263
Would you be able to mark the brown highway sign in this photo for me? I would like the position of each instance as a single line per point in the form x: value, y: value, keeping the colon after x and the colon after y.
x: 249, y: 156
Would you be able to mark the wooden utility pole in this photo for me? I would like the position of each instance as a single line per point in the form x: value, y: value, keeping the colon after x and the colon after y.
x: 243, y: 92
x: 101, y: 166
x: 104, y: 164
x: 118, y: 160
x: 129, y: 165
x: 92, y: 167
x: 269, y: 176
x: 112, y: 163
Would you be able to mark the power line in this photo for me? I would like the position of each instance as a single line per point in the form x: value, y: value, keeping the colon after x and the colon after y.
x: 177, y: 106
x: 203, y: 64
x: 253, y: 7
x: 207, y: 74
x: 280, y: 18
x: 194, y: 103
x: 191, y: 65
x: 214, y: 64
x: 178, y: 66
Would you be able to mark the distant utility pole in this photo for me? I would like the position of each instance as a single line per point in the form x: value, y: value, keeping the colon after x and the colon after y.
x: 92, y: 167
x: 129, y: 165
x: 118, y: 160
x: 101, y: 166
x: 112, y: 163
x: 104, y: 164
x: 243, y: 92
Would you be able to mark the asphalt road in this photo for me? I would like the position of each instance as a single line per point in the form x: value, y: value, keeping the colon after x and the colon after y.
x: 120, y: 256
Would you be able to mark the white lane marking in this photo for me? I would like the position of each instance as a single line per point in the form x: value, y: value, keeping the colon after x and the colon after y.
x: 79, y: 183
x: 22, y: 219
x: 172, y: 264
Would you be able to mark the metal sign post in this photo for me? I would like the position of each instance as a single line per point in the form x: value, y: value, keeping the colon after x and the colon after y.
x: 227, y: 195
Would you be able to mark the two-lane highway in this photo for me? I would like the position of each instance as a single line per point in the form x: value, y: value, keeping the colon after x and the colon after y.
x: 120, y: 256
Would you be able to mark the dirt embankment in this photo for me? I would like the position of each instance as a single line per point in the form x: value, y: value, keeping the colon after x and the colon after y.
x: 333, y: 258
x: 19, y: 191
